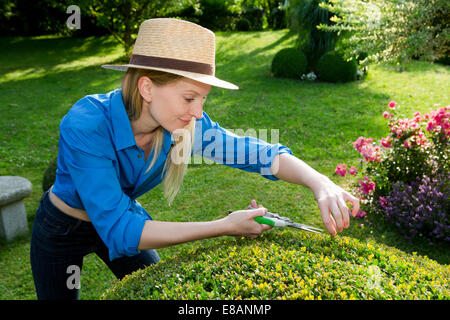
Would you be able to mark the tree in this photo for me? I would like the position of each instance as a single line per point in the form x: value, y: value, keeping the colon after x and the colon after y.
x: 392, y: 30
x: 31, y: 18
x: 123, y: 17
x: 305, y: 17
x: 270, y: 9
x: 217, y: 14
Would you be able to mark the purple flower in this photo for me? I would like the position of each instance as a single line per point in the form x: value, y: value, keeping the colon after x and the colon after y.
x: 421, y: 207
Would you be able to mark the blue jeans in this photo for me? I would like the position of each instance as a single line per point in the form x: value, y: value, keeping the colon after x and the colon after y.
x: 58, y: 244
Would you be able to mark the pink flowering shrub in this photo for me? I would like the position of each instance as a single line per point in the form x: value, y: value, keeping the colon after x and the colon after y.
x: 416, y: 149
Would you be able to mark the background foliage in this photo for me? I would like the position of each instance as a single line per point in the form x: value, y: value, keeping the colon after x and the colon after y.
x: 392, y: 30
x: 305, y: 16
x: 121, y: 18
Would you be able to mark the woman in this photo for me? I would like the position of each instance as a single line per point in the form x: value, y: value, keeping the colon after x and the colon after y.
x: 115, y: 147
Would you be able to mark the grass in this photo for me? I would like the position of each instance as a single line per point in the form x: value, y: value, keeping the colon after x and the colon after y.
x: 41, y: 77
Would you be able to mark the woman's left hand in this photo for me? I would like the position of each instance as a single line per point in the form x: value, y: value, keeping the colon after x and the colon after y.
x: 331, y: 200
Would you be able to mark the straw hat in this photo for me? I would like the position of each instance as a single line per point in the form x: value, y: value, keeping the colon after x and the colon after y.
x: 175, y: 46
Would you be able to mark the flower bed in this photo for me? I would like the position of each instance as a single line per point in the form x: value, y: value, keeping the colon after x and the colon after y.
x: 288, y: 265
x: 405, y: 179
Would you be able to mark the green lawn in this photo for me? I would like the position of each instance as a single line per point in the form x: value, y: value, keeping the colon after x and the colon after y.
x: 40, y: 78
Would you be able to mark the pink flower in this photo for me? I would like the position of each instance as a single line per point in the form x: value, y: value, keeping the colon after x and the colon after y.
x: 430, y: 126
x: 406, y: 144
x: 352, y: 170
x: 383, y: 202
x: 360, y: 142
x: 404, y: 125
x: 386, y: 115
x: 417, y: 117
x: 361, y: 214
x: 369, y: 152
x: 439, y: 120
x: 392, y: 104
x: 341, y: 169
x: 386, y: 142
x: 366, y: 186
x: 413, y: 125
x: 421, y: 139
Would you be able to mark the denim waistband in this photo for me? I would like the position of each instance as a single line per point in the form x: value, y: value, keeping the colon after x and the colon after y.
x: 51, y: 209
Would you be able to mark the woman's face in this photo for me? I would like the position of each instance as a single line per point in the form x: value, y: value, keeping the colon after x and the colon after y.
x: 173, y: 105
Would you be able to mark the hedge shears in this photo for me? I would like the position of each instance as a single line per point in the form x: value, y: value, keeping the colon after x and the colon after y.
x: 275, y: 220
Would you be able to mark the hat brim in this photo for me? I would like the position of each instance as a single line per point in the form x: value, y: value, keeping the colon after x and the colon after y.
x: 211, y: 80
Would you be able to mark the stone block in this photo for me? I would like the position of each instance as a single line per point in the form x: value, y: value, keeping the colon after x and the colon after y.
x: 13, y: 218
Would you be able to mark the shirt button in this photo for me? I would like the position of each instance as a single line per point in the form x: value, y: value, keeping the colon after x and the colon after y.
x: 140, y: 156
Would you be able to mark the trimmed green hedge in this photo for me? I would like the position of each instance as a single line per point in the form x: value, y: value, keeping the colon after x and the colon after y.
x: 288, y: 265
x: 332, y: 67
x: 289, y: 63
x: 49, y: 174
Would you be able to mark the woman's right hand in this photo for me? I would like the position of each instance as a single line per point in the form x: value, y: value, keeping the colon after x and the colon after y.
x: 242, y: 223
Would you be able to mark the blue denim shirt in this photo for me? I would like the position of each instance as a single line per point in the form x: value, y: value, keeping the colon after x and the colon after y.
x: 102, y: 170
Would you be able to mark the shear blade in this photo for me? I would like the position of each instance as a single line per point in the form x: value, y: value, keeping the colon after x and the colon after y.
x: 306, y: 228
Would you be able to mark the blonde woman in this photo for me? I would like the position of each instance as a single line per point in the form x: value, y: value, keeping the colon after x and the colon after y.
x: 114, y: 147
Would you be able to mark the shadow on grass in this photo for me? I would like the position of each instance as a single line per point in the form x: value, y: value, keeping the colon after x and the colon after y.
x: 20, y: 53
x: 63, y: 87
x: 274, y: 44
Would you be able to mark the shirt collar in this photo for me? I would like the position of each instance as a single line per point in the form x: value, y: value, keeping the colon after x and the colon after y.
x: 123, y: 134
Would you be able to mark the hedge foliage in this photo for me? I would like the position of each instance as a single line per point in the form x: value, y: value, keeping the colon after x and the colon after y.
x: 288, y: 265
x: 49, y: 174
x: 332, y: 67
x: 289, y: 63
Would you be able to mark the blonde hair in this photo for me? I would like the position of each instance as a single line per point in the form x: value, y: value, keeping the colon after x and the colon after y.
x: 179, y: 155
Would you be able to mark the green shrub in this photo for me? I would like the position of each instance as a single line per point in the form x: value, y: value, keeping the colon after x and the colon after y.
x: 360, y: 57
x: 289, y: 63
x: 216, y: 15
x: 255, y: 17
x: 49, y: 175
x: 332, y: 67
x: 304, y: 18
x: 445, y: 60
x: 278, y: 17
x: 290, y: 265
x: 243, y: 25
x: 392, y: 31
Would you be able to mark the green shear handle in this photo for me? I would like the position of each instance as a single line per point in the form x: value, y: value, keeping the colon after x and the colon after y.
x: 271, y: 221
x: 275, y: 220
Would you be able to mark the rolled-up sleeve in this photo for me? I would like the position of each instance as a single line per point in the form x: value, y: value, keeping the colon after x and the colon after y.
x: 118, y: 220
x: 242, y: 152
